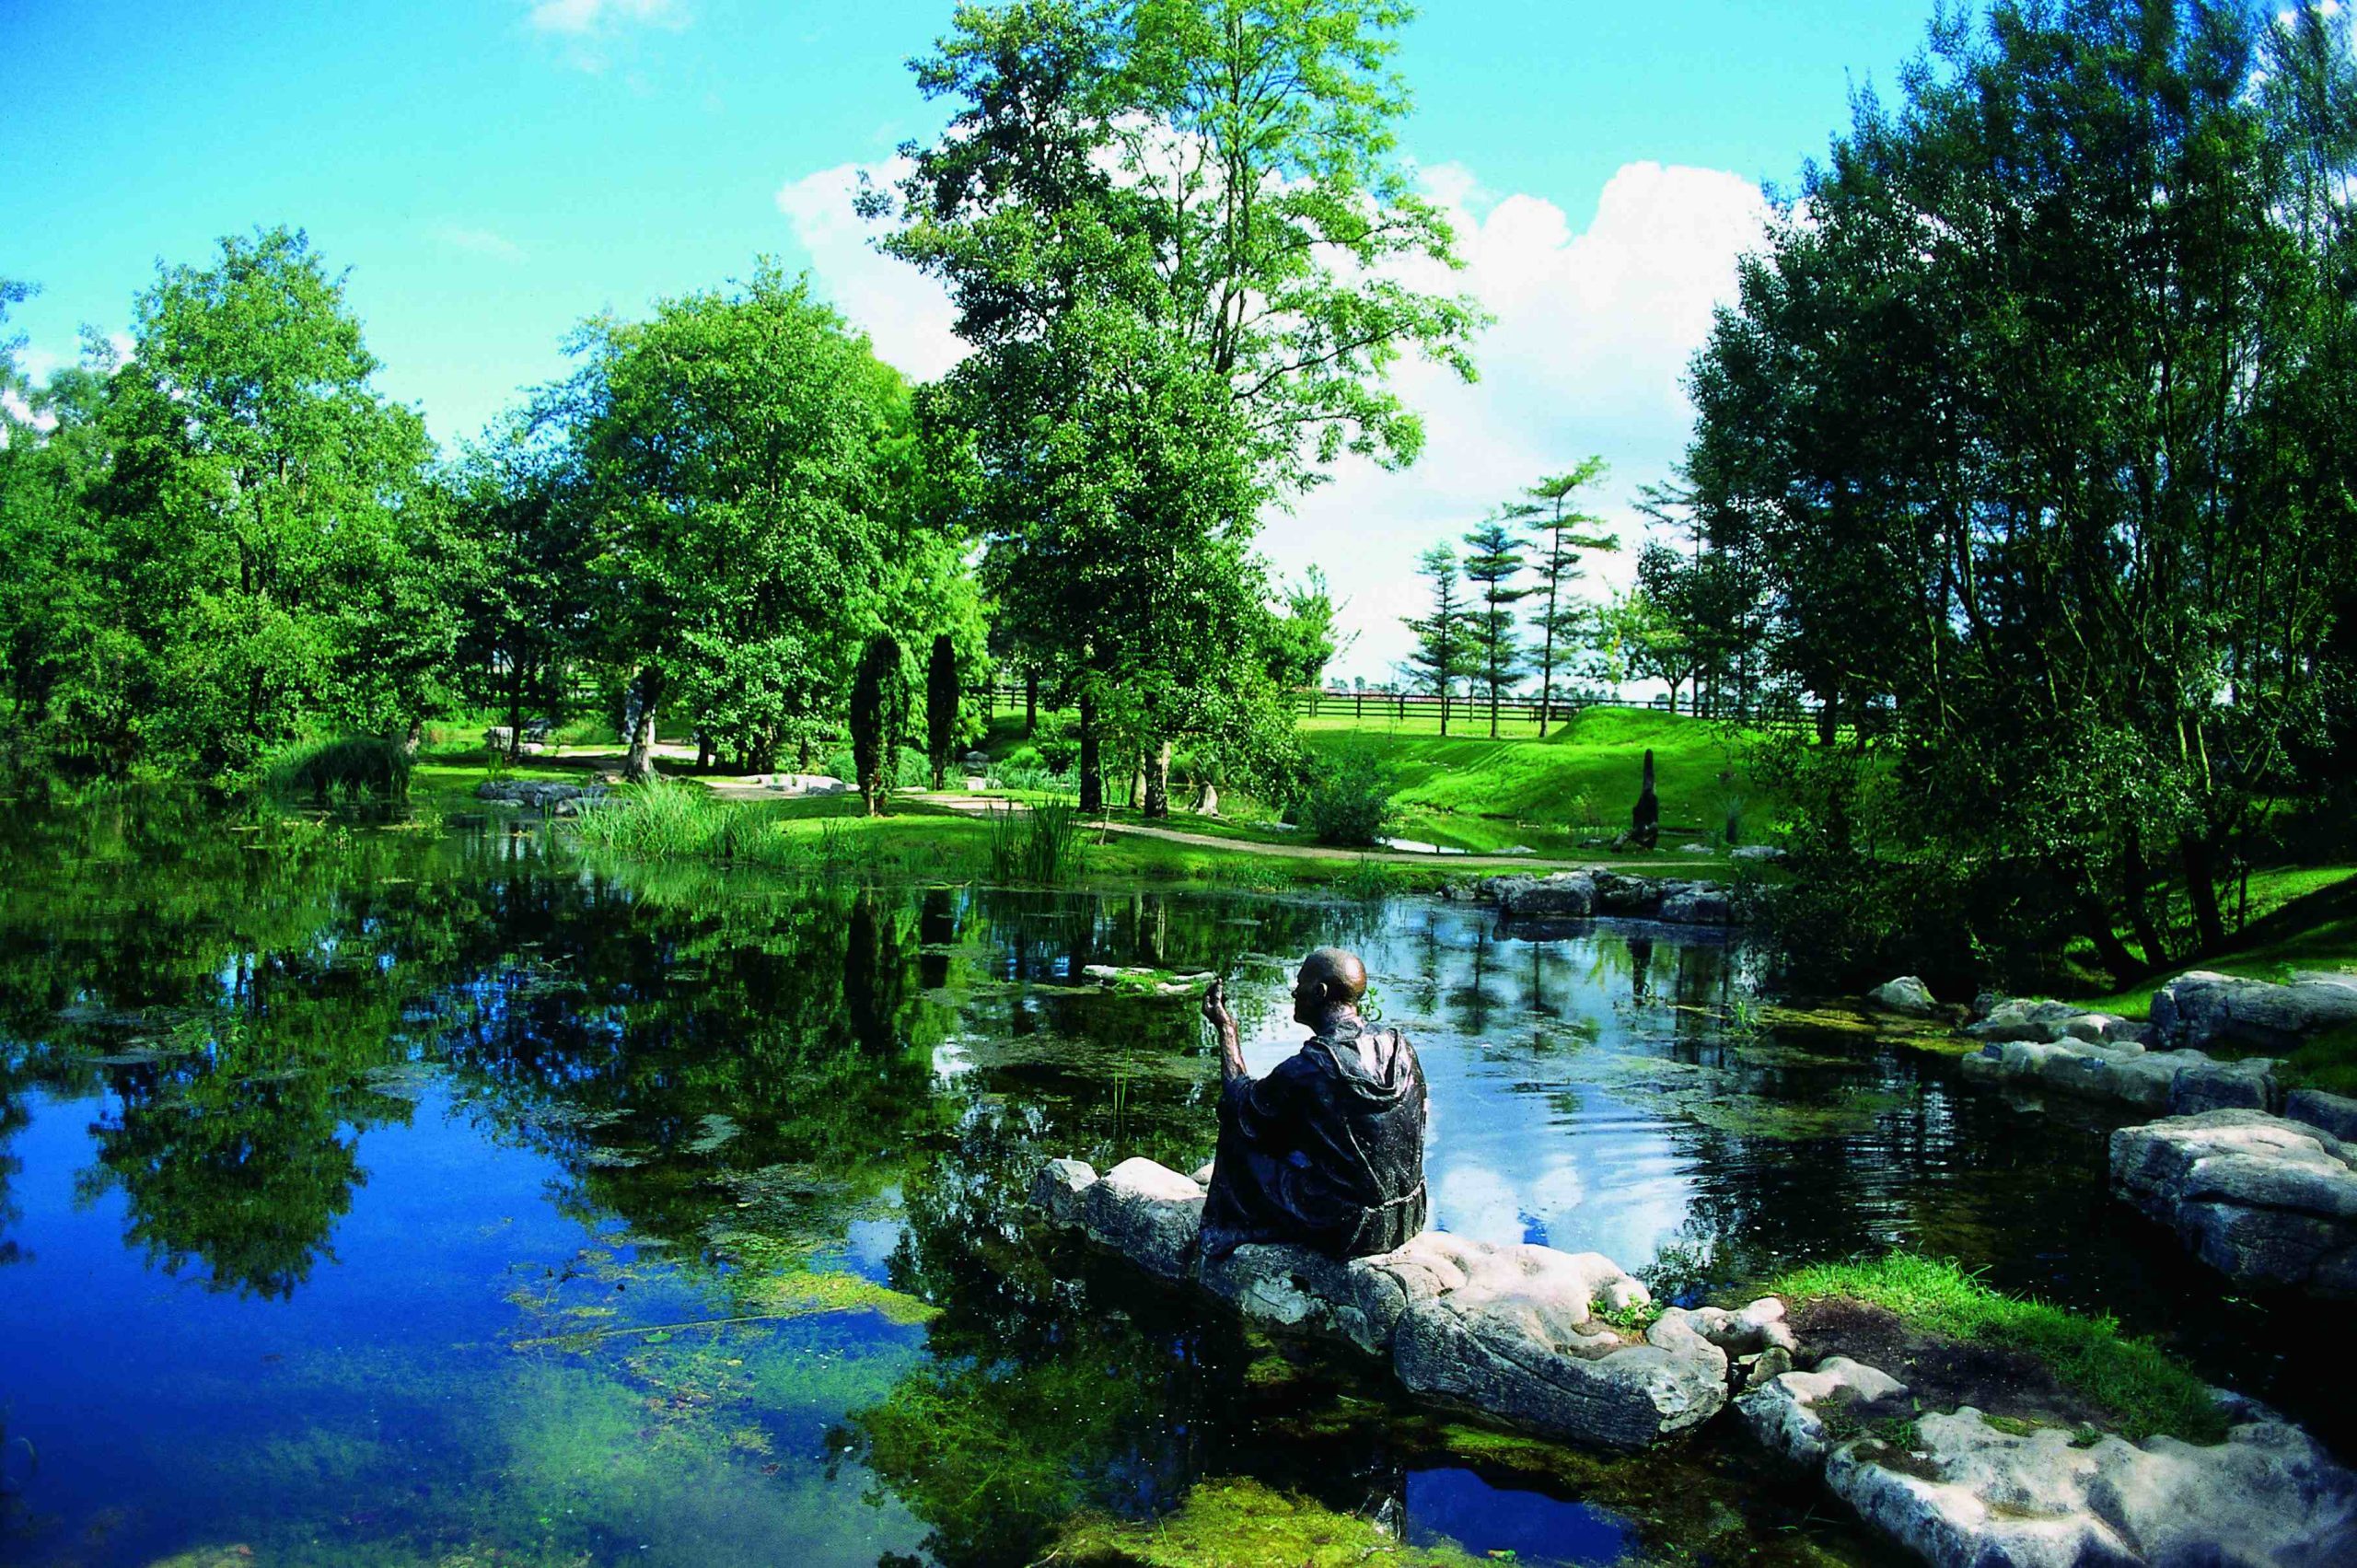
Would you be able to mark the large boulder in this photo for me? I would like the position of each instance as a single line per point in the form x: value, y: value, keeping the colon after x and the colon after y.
x: 1515, y: 1333
x: 1512, y: 1331
x: 2335, y: 1114
x: 2046, y: 1023
x: 2203, y: 1010
x: 1566, y: 895
x: 1961, y: 1493
x: 1790, y: 1413
x: 2121, y: 1071
x: 1147, y: 1213
x: 1968, y: 1495
x: 2265, y: 1201
x: 1906, y: 995
x: 2247, y: 1084
x: 1290, y: 1287
x: 1695, y: 903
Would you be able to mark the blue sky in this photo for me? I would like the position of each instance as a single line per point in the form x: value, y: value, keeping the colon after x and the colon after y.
x: 494, y: 170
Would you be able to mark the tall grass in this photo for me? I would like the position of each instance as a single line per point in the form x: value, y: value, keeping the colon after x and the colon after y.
x: 1043, y: 846
x: 665, y: 819
x: 352, y: 767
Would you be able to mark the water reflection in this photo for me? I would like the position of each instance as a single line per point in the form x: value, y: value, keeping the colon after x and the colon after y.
x: 345, y: 1134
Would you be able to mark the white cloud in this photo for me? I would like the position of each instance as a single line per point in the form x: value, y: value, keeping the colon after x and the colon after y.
x: 579, y: 18
x: 1593, y: 335
x: 479, y: 242
x: 906, y: 314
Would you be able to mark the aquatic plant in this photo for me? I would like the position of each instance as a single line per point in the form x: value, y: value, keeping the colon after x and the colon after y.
x: 352, y: 767
x: 1043, y: 846
x: 1235, y: 1522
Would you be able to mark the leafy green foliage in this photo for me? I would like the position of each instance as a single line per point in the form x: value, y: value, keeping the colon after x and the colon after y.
x: 2081, y: 612
x: 354, y: 767
x: 226, y: 539
x: 874, y: 737
x: 1347, y: 800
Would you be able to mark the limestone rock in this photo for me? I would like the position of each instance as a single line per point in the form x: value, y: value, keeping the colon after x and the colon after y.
x: 1788, y: 1413
x: 2333, y: 1113
x: 1756, y: 854
x: 2120, y: 1070
x: 2045, y: 1023
x: 1973, y: 1496
x: 1566, y: 895
x: 1511, y: 1332
x: 1517, y: 1339
x: 2264, y: 1200
x: 1149, y: 1214
x: 537, y: 794
x: 2202, y: 1009
x: 1699, y: 903
x: 1291, y: 1287
x: 1906, y: 995
x: 2247, y: 1084
x: 1057, y: 1191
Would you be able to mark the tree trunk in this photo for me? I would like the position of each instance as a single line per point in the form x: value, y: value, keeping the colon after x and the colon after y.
x: 1156, y: 761
x: 2109, y: 949
x: 2201, y: 888
x: 1092, y: 763
x: 514, y: 709
x: 703, y: 750
x: 1031, y: 702
x: 638, y: 712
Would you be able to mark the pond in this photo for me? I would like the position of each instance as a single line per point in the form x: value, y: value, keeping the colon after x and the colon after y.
x: 423, y: 1194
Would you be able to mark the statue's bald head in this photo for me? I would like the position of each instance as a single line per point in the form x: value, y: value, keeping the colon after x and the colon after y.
x: 1331, y: 978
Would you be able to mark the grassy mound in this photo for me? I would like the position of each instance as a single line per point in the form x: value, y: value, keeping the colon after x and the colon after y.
x: 1478, y: 794
x: 2133, y: 1381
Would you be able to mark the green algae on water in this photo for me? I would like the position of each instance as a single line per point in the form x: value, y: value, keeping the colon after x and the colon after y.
x: 1238, y: 1523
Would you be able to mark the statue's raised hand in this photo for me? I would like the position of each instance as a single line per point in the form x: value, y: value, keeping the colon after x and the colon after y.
x: 1216, y: 1011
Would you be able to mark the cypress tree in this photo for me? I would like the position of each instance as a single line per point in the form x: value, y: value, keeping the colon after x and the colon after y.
x: 941, y: 706
x: 874, y: 707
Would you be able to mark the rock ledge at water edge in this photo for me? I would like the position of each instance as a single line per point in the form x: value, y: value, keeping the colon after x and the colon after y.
x: 1511, y: 1333
x: 1964, y: 1493
x: 2266, y: 1200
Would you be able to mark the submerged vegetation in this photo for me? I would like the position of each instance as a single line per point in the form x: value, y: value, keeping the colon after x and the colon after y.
x: 1242, y: 1524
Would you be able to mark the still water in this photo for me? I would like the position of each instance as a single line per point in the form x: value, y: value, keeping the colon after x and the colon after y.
x: 424, y: 1195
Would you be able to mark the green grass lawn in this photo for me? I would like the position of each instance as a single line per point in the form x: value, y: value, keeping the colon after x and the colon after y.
x: 2302, y: 917
x: 1550, y: 795
x: 1562, y: 797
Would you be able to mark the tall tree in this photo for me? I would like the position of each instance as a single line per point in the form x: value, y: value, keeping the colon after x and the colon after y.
x: 263, y: 500
x: 1492, y: 562
x: 1443, y: 655
x: 1549, y: 509
x: 746, y: 459
x: 875, y: 704
x: 941, y: 706
x: 2030, y: 420
x: 1180, y: 220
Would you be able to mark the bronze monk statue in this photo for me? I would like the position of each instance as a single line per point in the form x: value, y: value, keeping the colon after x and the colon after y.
x: 1328, y: 1151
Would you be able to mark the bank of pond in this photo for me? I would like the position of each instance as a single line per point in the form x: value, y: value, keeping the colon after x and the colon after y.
x: 428, y: 1193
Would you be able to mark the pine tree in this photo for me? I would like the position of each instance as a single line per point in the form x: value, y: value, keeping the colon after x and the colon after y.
x: 1443, y: 650
x: 1561, y: 532
x: 1492, y: 562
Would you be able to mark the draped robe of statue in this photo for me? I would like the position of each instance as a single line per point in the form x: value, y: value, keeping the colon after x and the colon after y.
x: 1326, y: 1151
